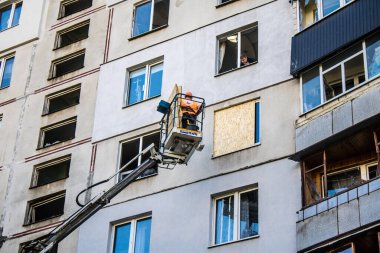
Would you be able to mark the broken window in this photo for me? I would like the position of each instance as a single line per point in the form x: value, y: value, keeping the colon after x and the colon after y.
x: 73, y: 6
x: 45, y: 208
x: 150, y: 15
x: 57, y: 133
x: 6, y: 66
x: 236, y: 128
x: 73, y: 34
x: 341, y: 166
x: 51, y: 171
x: 132, y: 236
x: 236, y: 216
x: 237, y: 49
x: 145, y: 82
x: 67, y: 64
x: 10, y: 15
x: 61, y: 100
x: 132, y: 148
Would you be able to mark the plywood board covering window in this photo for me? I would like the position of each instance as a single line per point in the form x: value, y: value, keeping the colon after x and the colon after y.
x: 235, y: 128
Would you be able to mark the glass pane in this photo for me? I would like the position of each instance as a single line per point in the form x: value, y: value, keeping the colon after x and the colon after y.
x: 249, y: 52
x: 354, y: 71
x: 342, y: 181
x: 122, y: 234
x: 346, y: 249
x: 16, y: 15
x: 5, y: 15
x: 311, y: 92
x: 224, y: 224
x: 143, y: 236
x: 136, y: 86
x: 228, y: 53
x: 6, y: 80
x: 129, y: 150
x: 155, y: 80
x: 373, y: 55
x: 330, y: 6
x: 372, y: 171
x: 342, y: 56
x: 142, y: 18
x: 257, y: 122
x: 249, y: 221
x: 161, y: 13
x: 308, y: 10
x: 332, y: 81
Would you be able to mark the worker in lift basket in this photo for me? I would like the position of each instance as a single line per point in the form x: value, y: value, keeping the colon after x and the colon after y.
x: 189, y: 109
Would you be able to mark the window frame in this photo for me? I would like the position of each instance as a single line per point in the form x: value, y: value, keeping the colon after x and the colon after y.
x: 11, y: 16
x: 238, y: 32
x: 61, y: 13
x: 43, y: 131
x: 54, y: 63
x: 3, y: 61
x: 237, y: 200
x: 49, y: 97
x: 220, y: 4
x: 148, y: 66
x: 58, y: 36
x: 132, y: 237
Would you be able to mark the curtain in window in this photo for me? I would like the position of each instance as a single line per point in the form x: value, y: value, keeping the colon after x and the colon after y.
x: 222, y: 51
x: 142, y: 236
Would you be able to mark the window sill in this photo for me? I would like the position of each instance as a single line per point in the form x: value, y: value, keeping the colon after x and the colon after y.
x: 148, y: 32
x: 3, y: 88
x: 239, y: 150
x: 40, y: 148
x: 37, y: 186
x: 142, y: 101
x: 50, y: 113
x: 54, y: 77
x: 232, y: 70
x: 232, y: 242
x: 60, y: 47
x: 32, y: 223
x: 226, y: 3
x: 9, y: 28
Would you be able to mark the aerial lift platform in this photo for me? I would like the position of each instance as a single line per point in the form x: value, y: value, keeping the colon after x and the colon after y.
x: 177, y: 145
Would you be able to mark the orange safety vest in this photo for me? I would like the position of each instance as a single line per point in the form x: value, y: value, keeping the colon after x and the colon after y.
x: 190, y: 107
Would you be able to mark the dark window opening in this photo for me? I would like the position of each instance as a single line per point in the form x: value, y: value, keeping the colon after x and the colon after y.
x: 45, y: 208
x: 62, y: 100
x: 68, y: 65
x: 58, y: 133
x: 161, y: 13
x: 71, y: 7
x: 66, y: 38
x: 132, y: 148
x: 51, y: 171
x: 27, y: 247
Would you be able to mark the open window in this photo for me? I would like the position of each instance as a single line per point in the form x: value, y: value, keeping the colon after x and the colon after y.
x: 150, y: 15
x: 67, y: 64
x: 51, y: 171
x: 237, y: 49
x: 71, y: 35
x: 45, y: 208
x: 57, y: 133
x: 6, y: 67
x: 10, y: 15
x: 132, y: 148
x: 61, y: 100
x: 70, y: 7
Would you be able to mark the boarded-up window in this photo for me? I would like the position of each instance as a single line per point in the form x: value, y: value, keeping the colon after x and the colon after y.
x: 236, y: 128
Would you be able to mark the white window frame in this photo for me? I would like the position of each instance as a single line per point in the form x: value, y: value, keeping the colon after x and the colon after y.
x: 54, y: 63
x: 63, y: 3
x: 236, y: 230
x: 49, y: 97
x: 132, y: 235
x: 10, y: 20
x: 30, y: 217
x: 51, y: 127
x: 151, y: 17
x: 59, y: 34
x: 148, y: 68
x: 38, y: 167
x: 3, y: 60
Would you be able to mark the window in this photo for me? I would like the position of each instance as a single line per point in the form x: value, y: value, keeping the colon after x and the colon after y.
x: 25, y: 249
x: 236, y: 128
x: 51, y: 171
x: 72, y: 34
x: 236, y: 216
x: 132, y: 236
x: 45, y: 208
x: 344, y: 249
x: 237, y: 49
x: 150, y: 15
x: 132, y: 148
x: 57, y: 133
x: 6, y: 66
x: 310, y: 11
x: 61, y: 100
x: 10, y: 15
x: 144, y: 83
x: 73, y: 6
x: 67, y: 64
x: 341, y: 73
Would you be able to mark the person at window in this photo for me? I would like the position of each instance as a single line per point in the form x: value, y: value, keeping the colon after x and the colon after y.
x: 245, y: 60
x: 189, y: 110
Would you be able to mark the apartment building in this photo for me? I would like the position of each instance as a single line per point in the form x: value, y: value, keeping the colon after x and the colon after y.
x: 336, y: 55
x: 50, y: 57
